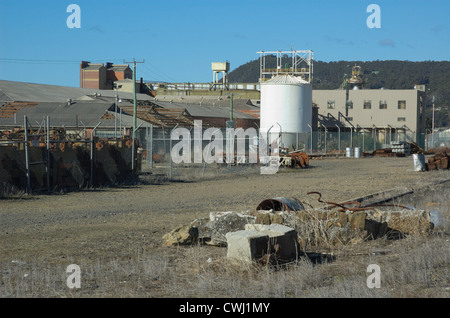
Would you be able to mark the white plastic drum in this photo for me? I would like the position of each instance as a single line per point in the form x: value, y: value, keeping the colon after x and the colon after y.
x: 348, y: 152
x: 419, y: 162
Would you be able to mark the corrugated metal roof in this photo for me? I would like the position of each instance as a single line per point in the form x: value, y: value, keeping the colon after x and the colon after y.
x: 162, y: 117
x: 32, y: 92
x: 75, y: 114
x: 206, y: 110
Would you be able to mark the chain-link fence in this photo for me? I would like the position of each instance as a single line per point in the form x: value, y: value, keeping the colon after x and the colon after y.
x: 187, y: 152
x: 176, y: 152
x: 438, y: 139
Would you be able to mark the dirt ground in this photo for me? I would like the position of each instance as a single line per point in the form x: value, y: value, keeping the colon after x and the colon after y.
x: 101, y: 224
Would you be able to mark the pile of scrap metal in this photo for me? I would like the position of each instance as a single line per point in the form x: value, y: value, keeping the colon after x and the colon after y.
x: 439, y: 161
x: 293, y: 159
x: 387, y: 152
x: 399, y: 149
x: 415, y: 148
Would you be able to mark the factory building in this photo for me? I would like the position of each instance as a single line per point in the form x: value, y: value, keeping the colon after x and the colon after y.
x: 384, y: 111
x: 71, y: 107
x: 100, y: 76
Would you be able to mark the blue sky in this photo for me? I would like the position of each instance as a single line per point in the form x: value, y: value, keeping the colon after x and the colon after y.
x: 178, y: 39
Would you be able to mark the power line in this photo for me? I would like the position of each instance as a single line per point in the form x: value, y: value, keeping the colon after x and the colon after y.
x: 158, y: 73
x: 38, y: 61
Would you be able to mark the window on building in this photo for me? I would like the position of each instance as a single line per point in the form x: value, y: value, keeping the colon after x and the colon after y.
x: 349, y: 104
x: 383, y: 104
x: 349, y: 118
x: 367, y: 104
x: 401, y: 118
x: 402, y: 104
x: 330, y: 104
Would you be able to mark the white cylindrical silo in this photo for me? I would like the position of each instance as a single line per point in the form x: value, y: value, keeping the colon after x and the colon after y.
x: 286, y: 106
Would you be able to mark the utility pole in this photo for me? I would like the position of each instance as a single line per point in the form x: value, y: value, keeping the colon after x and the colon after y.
x: 134, y: 94
x: 432, y: 126
x: 134, y: 129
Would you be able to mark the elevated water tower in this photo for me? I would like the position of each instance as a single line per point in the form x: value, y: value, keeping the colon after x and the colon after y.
x: 217, y: 68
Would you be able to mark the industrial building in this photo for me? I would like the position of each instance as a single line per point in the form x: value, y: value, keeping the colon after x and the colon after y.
x: 72, y: 106
x: 284, y: 96
x: 387, y: 114
x: 100, y: 76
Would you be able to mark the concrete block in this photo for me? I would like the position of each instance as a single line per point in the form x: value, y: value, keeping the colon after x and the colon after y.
x: 283, y: 240
x: 246, y: 245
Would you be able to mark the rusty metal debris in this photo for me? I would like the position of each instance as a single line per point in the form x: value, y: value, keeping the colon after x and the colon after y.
x: 281, y: 204
x: 343, y: 205
x: 294, y: 159
x: 440, y: 160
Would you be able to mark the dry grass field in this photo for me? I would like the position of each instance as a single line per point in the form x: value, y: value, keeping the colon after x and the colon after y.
x: 114, y: 236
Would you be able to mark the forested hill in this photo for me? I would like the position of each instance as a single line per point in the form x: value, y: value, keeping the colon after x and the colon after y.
x: 391, y: 74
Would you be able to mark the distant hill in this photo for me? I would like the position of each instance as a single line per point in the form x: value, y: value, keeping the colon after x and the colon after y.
x: 390, y: 74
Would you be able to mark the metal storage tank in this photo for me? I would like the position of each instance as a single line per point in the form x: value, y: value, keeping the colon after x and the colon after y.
x: 286, y: 106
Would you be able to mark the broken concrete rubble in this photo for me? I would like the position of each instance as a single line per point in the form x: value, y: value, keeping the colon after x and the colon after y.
x: 220, y: 223
x: 181, y: 235
x: 311, y: 226
x: 210, y: 230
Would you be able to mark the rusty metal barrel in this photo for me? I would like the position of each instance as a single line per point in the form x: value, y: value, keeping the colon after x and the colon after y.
x: 281, y: 204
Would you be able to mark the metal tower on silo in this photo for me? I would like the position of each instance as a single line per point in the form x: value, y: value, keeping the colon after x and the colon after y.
x: 300, y: 64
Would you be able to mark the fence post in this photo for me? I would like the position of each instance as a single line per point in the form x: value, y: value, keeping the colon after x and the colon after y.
x: 92, y: 154
x: 170, y: 152
x: 150, y: 148
x: 364, y: 132
x: 132, y: 152
x: 311, y: 138
x: 27, y: 159
x: 48, y: 153
x: 325, y: 138
x: 339, y: 138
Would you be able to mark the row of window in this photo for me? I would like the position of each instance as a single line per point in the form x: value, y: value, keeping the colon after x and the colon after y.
x: 368, y: 104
